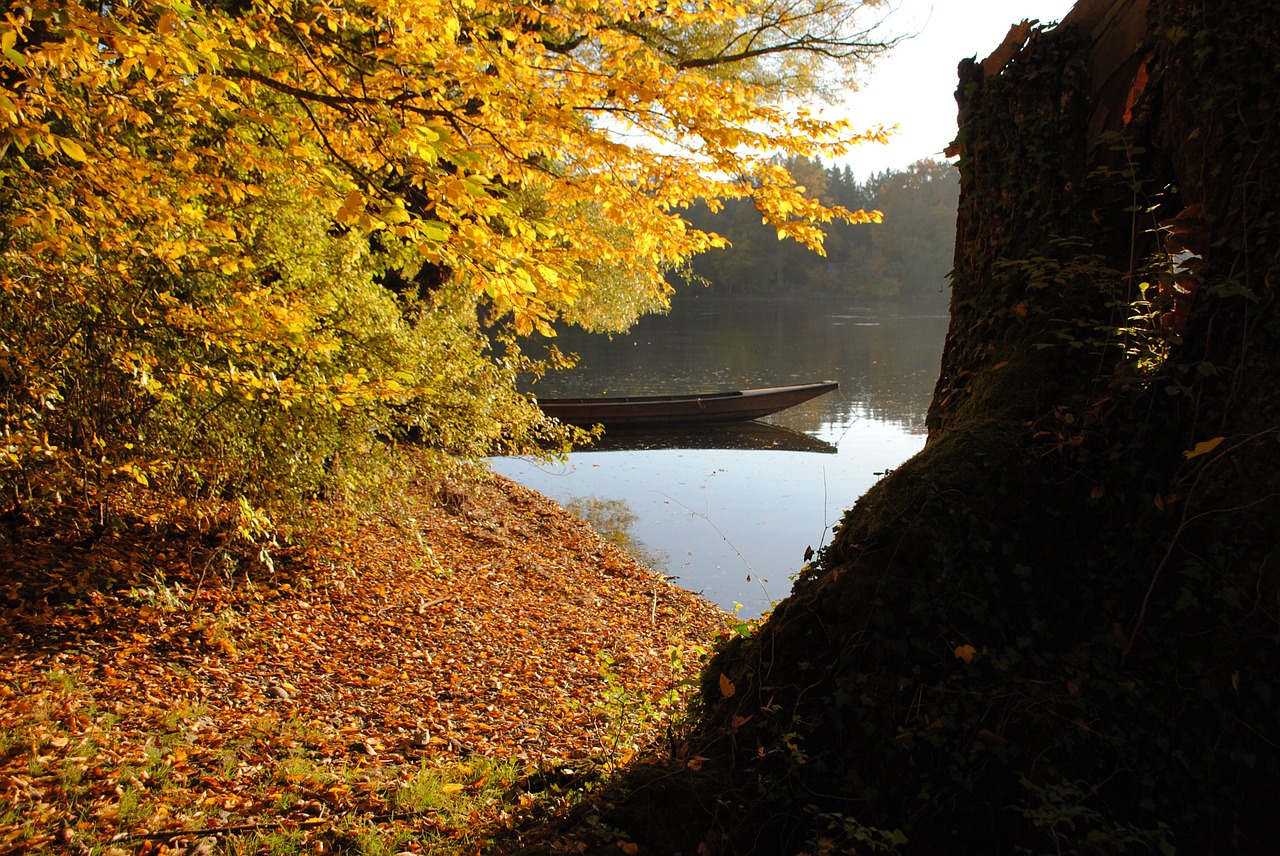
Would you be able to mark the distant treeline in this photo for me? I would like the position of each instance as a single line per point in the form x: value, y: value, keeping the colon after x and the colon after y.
x: 906, y: 257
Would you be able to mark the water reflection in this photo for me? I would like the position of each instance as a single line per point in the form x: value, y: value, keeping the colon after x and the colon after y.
x: 762, y: 436
x: 734, y: 511
x: 614, y: 520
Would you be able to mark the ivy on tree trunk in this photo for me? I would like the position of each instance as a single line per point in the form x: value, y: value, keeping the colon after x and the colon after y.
x: 1057, y: 628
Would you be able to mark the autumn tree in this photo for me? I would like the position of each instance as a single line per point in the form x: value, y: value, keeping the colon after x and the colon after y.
x: 1055, y: 630
x: 241, y: 239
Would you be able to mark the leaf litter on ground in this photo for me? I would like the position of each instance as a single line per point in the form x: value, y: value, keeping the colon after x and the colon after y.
x: 389, y: 674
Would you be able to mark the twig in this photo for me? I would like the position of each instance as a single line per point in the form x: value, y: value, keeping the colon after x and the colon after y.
x: 251, y: 827
x: 1185, y: 520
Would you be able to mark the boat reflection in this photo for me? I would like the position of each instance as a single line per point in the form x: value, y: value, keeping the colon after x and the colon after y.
x: 737, y: 435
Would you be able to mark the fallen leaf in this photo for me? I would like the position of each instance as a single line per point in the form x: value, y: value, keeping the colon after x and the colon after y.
x: 1204, y: 447
x: 325, y: 660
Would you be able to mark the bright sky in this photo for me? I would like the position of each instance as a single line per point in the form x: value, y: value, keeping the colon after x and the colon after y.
x: 914, y: 87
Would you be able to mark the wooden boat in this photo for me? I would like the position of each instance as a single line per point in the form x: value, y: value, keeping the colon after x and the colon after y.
x: 737, y: 406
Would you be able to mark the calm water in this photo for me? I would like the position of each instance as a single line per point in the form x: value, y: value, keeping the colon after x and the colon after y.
x: 733, y: 523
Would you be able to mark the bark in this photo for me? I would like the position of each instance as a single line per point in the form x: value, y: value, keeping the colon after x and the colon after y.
x: 1056, y: 628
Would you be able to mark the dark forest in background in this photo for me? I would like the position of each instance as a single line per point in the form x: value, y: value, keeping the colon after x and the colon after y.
x: 906, y: 257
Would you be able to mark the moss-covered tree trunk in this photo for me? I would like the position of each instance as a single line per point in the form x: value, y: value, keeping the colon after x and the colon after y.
x: 1057, y: 628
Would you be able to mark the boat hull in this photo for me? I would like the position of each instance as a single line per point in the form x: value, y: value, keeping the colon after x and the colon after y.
x: 737, y: 406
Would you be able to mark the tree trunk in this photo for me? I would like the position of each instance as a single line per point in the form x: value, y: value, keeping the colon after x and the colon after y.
x: 1056, y: 628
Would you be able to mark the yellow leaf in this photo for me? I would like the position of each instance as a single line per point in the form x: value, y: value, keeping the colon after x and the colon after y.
x: 727, y: 689
x: 1204, y: 447
x: 71, y: 149
x: 452, y: 788
x: 966, y: 652
x: 353, y: 203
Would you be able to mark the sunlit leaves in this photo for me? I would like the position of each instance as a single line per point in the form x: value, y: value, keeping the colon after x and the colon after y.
x: 464, y: 105
x: 200, y: 203
x: 216, y: 700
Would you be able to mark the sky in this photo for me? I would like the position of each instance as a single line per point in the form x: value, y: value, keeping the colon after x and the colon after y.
x: 914, y: 87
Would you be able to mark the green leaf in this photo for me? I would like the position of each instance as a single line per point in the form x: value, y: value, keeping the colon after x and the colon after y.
x: 434, y: 230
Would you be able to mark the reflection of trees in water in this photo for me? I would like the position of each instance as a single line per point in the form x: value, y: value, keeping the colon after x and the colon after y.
x: 613, y: 519
x: 886, y: 361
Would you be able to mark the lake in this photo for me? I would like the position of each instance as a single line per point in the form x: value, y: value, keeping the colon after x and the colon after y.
x: 730, y: 511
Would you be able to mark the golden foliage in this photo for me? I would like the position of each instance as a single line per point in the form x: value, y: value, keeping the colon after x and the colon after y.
x: 161, y: 159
